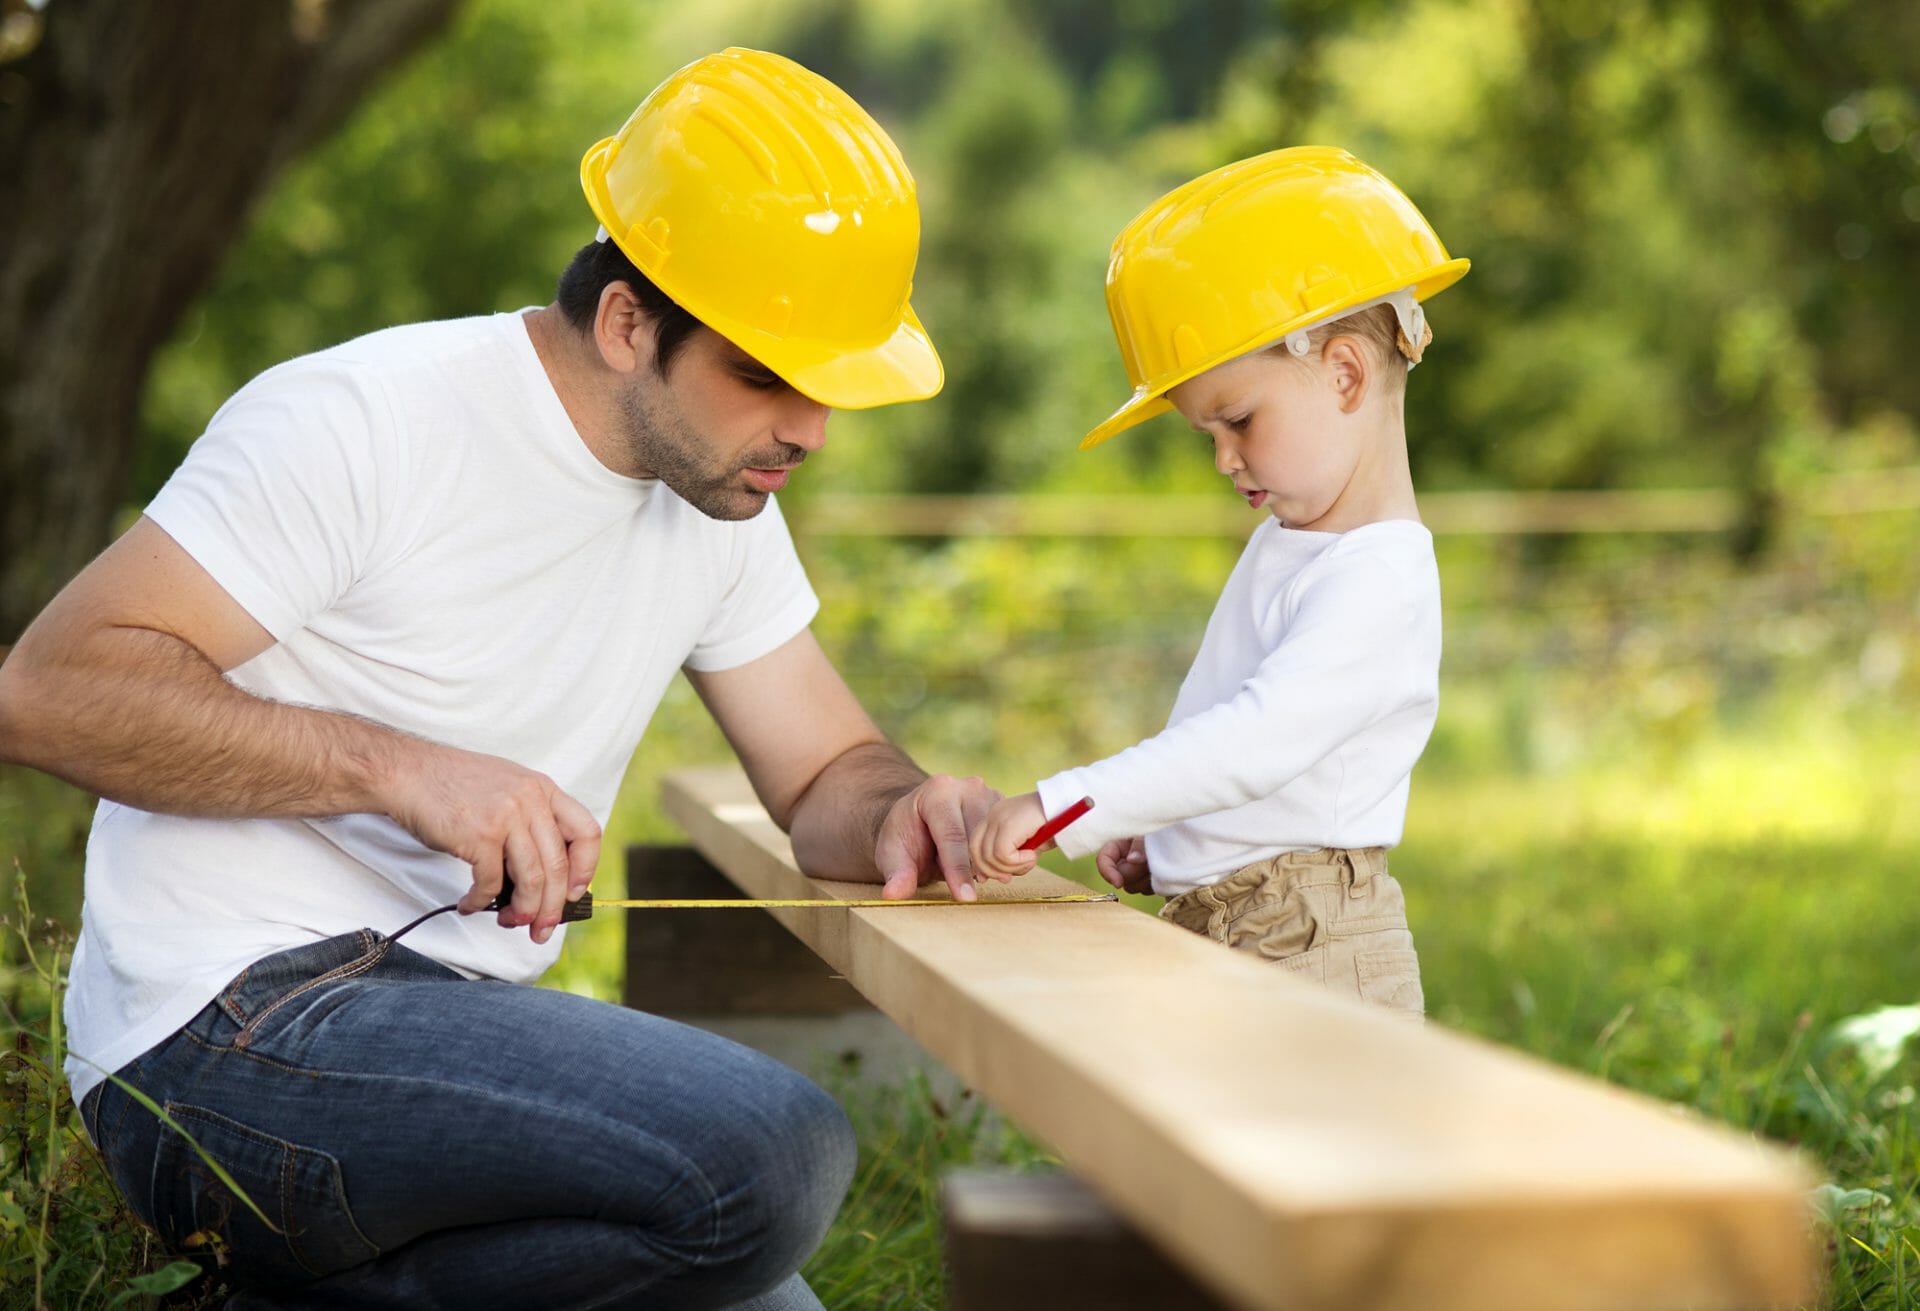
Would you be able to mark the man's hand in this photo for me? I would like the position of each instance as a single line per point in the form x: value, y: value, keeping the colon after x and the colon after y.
x: 501, y: 818
x: 995, y: 845
x: 854, y: 804
x: 1123, y: 863
x: 924, y: 836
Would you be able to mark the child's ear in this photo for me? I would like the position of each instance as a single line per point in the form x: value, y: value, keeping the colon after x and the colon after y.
x: 1349, y: 370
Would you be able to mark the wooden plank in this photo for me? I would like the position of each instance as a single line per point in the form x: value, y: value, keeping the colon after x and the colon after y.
x: 717, y: 962
x: 1040, y: 1242
x: 1291, y: 1148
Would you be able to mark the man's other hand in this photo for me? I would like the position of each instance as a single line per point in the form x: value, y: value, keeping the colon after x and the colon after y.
x: 499, y: 817
x: 924, y: 836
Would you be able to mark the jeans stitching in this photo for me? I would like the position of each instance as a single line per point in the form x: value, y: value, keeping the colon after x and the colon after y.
x: 339, y: 1183
x: 230, y: 997
x: 126, y: 1106
x: 90, y: 1113
x: 247, y: 1053
x: 286, y: 1207
x: 359, y: 965
x: 291, y: 1156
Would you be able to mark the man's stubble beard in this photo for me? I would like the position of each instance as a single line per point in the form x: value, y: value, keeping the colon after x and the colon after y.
x: 663, y: 442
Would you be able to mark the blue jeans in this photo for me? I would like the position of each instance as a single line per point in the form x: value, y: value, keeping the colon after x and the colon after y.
x: 423, y: 1140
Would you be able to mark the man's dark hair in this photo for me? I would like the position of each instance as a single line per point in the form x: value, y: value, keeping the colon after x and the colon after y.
x: 598, y: 263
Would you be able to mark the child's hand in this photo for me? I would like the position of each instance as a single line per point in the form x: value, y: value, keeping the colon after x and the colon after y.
x: 1123, y: 863
x: 995, y: 843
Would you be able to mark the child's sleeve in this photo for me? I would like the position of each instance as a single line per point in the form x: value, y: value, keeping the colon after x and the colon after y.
x: 1351, y: 656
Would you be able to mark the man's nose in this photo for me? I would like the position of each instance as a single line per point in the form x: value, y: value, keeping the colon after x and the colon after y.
x: 804, y: 424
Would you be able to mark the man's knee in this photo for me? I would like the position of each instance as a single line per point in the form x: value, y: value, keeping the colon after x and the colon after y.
x: 795, y: 1170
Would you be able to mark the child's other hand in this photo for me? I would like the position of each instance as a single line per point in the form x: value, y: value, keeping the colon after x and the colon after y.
x: 995, y: 842
x: 1123, y: 863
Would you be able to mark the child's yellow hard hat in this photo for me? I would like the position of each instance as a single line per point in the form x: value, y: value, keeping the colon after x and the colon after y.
x: 770, y: 205
x: 1243, y: 256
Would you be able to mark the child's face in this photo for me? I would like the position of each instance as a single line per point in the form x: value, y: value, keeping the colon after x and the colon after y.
x: 1289, y: 433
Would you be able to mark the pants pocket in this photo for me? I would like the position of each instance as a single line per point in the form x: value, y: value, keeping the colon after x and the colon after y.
x: 1391, y: 978
x: 1279, y: 928
x: 299, y: 1188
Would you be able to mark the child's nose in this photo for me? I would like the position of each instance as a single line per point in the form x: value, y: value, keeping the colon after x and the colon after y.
x: 1225, y: 458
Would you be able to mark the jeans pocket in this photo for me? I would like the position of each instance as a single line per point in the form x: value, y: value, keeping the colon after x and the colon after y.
x: 298, y: 1188
x: 1391, y: 978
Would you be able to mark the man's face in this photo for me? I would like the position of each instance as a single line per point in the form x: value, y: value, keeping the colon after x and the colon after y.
x: 719, y: 428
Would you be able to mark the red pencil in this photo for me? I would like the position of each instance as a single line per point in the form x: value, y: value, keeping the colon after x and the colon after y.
x: 1058, y: 822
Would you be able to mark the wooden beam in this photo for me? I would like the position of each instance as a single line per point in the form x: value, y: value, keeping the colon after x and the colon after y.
x: 1291, y: 1148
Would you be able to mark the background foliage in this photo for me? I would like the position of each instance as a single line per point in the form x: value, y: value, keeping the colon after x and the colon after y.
x: 1665, y: 831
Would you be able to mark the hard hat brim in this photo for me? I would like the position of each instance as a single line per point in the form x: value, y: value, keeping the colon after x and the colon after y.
x: 905, y: 367
x: 1150, y: 399
x: 1141, y: 406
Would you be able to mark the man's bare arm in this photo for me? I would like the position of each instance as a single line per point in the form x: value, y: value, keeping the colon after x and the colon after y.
x: 855, y: 805
x: 118, y: 687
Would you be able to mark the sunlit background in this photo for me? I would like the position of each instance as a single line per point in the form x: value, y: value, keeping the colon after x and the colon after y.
x: 1666, y: 829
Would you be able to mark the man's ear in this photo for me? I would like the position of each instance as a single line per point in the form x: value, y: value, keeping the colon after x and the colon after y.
x: 623, y: 331
x: 1349, y: 369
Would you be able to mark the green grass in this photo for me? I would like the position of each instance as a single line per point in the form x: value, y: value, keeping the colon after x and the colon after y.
x: 883, y: 1252
x: 66, y: 1241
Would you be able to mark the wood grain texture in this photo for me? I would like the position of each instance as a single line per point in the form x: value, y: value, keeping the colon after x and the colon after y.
x: 1292, y: 1148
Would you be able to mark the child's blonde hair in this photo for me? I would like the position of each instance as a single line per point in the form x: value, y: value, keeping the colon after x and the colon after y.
x: 1379, y: 327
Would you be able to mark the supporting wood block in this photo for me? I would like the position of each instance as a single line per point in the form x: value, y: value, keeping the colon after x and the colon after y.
x: 1040, y: 1242
x: 716, y: 962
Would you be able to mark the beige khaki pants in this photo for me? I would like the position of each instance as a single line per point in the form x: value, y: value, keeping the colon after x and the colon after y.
x: 1334, y: 916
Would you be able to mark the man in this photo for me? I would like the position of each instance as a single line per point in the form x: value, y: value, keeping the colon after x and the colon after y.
x: 390, y: 636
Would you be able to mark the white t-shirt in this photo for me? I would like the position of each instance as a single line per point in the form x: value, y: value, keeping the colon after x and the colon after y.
x: 1312, y: 696
x: 414, y: 518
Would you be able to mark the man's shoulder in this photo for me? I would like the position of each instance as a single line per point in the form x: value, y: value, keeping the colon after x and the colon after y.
x: 397, y: 353
x: 374, y: 379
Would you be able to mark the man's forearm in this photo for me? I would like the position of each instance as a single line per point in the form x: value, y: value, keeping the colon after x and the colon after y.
x: 837, y: 820
x: 140, y: 717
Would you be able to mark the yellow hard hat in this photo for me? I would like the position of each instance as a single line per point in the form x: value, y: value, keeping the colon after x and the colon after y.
x: 773, y: 208
x: 1246, y: 255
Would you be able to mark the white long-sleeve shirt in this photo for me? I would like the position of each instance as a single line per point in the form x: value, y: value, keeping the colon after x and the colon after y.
x: 1298, y: 725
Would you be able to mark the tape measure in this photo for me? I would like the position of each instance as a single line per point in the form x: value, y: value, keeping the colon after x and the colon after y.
x: 575, y: 911
x: 583, y: 909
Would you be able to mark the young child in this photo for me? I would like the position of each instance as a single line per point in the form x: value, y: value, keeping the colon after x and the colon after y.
x: 1276, y: 304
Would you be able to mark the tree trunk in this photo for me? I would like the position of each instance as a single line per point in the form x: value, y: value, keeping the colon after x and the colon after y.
x: 134, y: 139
